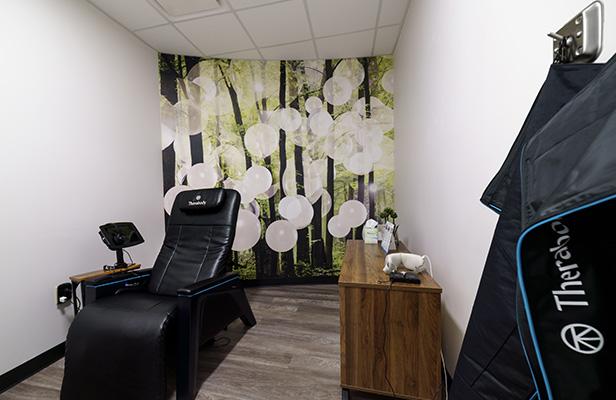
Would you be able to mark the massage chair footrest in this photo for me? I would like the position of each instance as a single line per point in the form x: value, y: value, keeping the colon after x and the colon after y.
x: 116, y: 348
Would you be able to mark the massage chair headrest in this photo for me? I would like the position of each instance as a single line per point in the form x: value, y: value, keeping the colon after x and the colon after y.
x: 205, y: 207
x: 202, y: 201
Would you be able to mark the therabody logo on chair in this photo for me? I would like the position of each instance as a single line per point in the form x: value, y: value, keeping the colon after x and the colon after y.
x: 571, y: 293
x: 582, y: 338
x: 579, y: 337
x: 197, y: 201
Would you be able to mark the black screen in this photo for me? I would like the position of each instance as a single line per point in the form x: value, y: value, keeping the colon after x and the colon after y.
x: 118, y: 235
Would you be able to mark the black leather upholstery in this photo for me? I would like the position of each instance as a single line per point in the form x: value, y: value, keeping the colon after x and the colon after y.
x: 116, y: 342
x: 117, y: 347
x: 199, y: 237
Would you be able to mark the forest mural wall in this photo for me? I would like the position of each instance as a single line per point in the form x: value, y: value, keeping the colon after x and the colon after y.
x: 308, y: 144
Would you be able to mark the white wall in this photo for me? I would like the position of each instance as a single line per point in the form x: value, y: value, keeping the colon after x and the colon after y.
x: 467, y: 73
x: 80, y: 146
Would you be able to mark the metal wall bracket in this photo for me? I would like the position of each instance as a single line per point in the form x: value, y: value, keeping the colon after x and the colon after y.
x: 581, y: 39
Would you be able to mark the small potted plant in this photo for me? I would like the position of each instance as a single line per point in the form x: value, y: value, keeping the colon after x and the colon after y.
x: 387, y: 214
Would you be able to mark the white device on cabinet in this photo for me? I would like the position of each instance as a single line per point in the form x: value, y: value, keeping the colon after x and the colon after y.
x: 411, y: 262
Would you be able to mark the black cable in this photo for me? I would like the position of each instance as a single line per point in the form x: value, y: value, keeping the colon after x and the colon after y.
x: 115, y: 266
x: 129, y: 256
x: 393, y: 392
x: 224, y: 339
x: 76, y: 302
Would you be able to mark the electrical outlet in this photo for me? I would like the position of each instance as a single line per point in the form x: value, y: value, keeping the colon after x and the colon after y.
x: 64, y: 293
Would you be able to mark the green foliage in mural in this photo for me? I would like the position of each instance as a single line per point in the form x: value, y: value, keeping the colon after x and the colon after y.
x: 308, y: 145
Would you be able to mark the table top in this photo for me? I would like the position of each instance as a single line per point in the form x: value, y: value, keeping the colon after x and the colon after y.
x: 101, y: 272
x: 363, y: 267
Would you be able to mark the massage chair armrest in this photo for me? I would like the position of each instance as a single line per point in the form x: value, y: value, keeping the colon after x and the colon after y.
x: 113, y: 284
x: 111, y: 278
x: 206, y: 286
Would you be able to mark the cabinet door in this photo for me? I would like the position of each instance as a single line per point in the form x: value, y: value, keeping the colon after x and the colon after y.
x: 390, y: 341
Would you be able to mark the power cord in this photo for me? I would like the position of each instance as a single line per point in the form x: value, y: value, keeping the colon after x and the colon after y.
x: 445, y: 376
x: 429, y: 264
x: 113, y: 267
x: 75, y: 301
x: 393, y: 392
x: 225, y: 341
x: 129, y: 256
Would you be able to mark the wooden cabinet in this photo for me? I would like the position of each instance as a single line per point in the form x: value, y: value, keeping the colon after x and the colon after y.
x: 390, y: 334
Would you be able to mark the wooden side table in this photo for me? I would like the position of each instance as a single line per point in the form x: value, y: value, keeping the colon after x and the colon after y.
x: 76, y: 280
x: 390, y: 334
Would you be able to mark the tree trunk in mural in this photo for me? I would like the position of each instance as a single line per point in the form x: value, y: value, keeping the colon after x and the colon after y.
x: 329, y: 72
x: 168, y: 89
x: 303, y: 244
x: 269, y: 266
x: 367, y: 94
x: 272, y: 267
x: 260, y: 248
x: 282, y: 142
x: 168, y: 76
x: 196, y: 140
x: 317, y: 246
x: 357, y: 232
x: 287, y: 262
x: 217, y: 78
x: 237, y: 112
x: 371, y: 196
x: 350, y: 196
x: 237, y: 115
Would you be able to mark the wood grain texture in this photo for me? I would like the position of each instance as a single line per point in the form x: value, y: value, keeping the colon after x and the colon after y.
x: 390, y: 336
x: 292, y: 353
x: 102, y: 272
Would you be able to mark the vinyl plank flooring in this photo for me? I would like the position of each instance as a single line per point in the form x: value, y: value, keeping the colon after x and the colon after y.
x: 292, y: 352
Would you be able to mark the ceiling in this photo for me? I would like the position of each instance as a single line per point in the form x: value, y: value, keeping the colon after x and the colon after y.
x: 265, y: 29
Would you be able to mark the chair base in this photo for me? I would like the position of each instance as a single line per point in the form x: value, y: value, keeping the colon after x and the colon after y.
x: 188, y: 335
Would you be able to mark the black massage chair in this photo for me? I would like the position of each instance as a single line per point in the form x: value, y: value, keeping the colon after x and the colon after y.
x: 117, y: 346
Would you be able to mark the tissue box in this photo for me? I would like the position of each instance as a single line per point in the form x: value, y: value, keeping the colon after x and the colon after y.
x: 371, y: 235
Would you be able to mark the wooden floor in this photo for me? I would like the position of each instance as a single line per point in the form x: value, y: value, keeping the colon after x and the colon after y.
x: 291, y: 354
